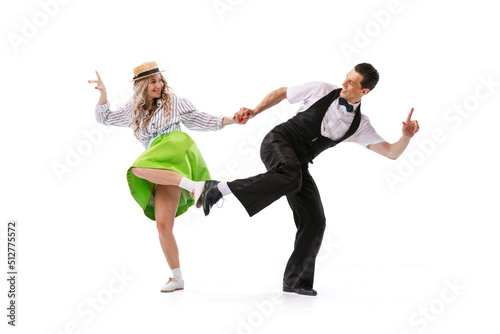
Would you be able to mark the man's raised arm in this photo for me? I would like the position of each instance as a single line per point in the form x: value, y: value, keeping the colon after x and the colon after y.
x: 393, y: 151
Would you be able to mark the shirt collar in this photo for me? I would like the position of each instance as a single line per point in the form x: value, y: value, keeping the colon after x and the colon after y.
x: 354, y: 107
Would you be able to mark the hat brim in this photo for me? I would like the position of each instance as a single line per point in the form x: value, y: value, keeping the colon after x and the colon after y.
x: 146, y: 76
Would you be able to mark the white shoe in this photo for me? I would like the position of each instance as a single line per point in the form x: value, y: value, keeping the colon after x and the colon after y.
x: 196, y: 193
x: 173, y: 285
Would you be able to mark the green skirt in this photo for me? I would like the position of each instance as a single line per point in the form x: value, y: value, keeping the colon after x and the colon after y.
x: 177, y: 152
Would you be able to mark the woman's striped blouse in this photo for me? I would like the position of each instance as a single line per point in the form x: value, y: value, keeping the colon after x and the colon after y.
x: 182, y: 111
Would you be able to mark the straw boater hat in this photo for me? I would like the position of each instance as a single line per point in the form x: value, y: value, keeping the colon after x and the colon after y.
x: 145, y: 70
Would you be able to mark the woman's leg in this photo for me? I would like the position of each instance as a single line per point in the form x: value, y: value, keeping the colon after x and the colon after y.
x: 166, y: 202
x: 159, y: 176
x: 167, y: 177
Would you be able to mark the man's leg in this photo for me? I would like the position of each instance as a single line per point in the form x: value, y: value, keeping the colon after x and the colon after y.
x: 283, y: 175
x: 310, y: 221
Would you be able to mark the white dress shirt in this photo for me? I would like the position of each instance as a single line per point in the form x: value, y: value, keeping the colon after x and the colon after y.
x: 182, y: 111
x: 337, y: 119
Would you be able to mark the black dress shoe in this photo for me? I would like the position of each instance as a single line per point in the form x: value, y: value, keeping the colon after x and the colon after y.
x: 210, y: 195
x: 300, y: 291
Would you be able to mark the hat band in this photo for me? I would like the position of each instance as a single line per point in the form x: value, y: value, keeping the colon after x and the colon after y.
x: 143, y: 74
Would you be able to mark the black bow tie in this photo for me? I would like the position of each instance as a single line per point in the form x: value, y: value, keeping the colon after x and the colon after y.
x: 343, y: 102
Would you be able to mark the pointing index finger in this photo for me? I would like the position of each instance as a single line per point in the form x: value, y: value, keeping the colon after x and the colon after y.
x: 409, y: 116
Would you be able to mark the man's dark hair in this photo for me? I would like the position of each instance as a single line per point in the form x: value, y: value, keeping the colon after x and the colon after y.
x: 369, y: 73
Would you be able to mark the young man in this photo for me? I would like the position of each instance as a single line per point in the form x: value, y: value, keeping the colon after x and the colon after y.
x: 327, y: 116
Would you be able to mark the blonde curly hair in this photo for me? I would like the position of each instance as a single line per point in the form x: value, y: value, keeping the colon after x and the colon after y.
x: 139, y: 101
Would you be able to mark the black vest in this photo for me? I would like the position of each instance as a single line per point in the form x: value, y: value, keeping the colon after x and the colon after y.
x: 306, y: 126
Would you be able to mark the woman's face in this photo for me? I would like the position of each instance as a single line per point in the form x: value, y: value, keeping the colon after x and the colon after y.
x: 155, y: 86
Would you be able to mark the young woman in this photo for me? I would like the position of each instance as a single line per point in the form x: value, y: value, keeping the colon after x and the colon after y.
x: 169, y: 176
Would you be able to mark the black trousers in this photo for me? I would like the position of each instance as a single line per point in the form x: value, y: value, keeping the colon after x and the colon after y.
x: 286, y: 161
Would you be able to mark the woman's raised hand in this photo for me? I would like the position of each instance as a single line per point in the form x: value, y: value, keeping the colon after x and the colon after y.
x: 100, y: 86
x: 99, y: 82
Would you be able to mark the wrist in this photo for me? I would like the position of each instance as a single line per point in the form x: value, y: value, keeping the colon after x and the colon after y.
x: 227, y: 120
x: 103, y: 99
x: 406, y: 138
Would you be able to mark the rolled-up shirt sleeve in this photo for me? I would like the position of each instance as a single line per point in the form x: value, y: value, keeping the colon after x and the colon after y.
x: 366, y: 134
x: 308, y: 91
x: 120, y: 117
x: 194, y: 119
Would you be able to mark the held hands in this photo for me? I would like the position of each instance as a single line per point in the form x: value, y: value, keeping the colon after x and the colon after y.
x: 410, y: 127
x: 242, y: 116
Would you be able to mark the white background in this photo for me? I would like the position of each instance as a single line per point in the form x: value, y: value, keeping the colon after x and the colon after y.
x: 390, y: 251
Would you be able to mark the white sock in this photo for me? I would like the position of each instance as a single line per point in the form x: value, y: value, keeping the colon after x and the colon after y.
x: 224, y: 188
x: 187, y: 184
x: 198, y: 188
x: 177, y: 274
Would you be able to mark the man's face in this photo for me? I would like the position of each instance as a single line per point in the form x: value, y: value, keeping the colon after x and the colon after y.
x: 352, y: 91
